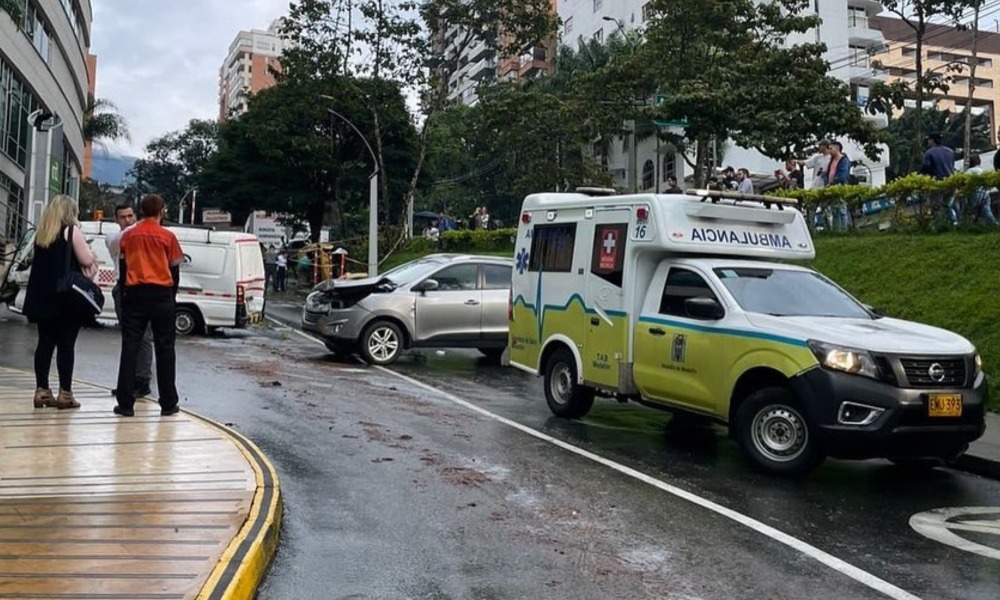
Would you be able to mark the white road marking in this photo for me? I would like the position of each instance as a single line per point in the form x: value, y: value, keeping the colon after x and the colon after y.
x: 863, y: 577
x: 938, y: 525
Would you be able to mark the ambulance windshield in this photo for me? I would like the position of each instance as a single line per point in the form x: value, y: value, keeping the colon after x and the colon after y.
x: 788, y: 293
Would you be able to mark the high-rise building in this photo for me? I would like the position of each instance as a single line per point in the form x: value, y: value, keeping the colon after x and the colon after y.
x: 43, y: 96
x: 465, y: 65
x: 947, y: 51
x: 249, y: 67
x: 850, y: 38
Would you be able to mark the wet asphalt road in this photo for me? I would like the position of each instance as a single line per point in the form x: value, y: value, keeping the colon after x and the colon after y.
x: 392, y: 491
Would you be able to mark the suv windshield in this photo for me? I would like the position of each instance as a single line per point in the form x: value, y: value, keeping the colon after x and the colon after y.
x: 787, y: 293
x: 411, y: 271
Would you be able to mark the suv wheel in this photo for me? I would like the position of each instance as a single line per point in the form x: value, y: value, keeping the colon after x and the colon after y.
x: 565, y: 397
x: 774, y: 433
x: 381, y: 343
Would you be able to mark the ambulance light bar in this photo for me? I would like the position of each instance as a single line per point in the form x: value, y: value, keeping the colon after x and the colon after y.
x: 716, y: 195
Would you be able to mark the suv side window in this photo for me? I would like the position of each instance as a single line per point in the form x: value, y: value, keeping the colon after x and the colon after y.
x: 497, y: 277
x: 457, y: 278
x: 681, y: 285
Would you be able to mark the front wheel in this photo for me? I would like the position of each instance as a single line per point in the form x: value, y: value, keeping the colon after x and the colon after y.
x: 774, y: 433
x: 381, y: 343
x: 565, y: 397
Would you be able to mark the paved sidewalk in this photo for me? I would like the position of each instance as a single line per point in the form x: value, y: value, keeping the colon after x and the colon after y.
x: 97, y: 506
x: 983, y: 456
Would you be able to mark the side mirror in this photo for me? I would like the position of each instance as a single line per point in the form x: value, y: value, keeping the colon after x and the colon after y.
x: 878, y: 312
x: 427, y: 285
x: 704, y: 308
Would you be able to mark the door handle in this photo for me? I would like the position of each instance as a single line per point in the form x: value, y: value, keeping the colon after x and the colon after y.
x: 472, y: 302
x: 595, y: 321
x: 657, y: 331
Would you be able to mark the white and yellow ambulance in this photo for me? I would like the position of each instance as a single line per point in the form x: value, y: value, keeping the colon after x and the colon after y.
x: 688, y: 303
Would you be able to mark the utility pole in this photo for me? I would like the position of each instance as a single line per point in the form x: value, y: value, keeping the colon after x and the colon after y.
x: 972, y: 85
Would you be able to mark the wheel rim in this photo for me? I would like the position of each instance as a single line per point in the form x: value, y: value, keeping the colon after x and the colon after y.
x: 780, y: 433
x: 561, y: 384
x: 183, y: 323
x: 383, y: 344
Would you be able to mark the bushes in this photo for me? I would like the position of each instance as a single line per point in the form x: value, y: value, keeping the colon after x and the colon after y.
x: 476, y: 241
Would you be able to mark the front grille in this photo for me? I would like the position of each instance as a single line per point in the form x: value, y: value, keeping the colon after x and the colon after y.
x: 934, y: 372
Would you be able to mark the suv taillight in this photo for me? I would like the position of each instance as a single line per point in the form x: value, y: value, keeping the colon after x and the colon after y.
x: 240, y: 294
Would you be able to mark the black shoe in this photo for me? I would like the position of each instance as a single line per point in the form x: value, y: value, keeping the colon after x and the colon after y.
x: 123, y: 412
x: 172, y: 410
x: 142, y: 389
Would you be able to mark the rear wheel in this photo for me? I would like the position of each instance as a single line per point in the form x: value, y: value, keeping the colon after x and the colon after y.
x: 565, y: 397
x: 382, y: 343
x: 775, y: 434
x: 186, y: 320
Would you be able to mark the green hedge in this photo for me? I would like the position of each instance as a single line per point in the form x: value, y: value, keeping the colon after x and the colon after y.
x: 467, y: 240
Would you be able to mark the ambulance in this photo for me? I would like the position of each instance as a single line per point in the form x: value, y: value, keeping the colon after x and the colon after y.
x: 222, y: 276
x: 693, y: 304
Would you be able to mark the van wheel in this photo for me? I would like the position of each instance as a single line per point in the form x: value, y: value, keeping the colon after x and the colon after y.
x: 565, y: 397
x: 381, y: 343
x: 185, y: 320
x: 773, y: 432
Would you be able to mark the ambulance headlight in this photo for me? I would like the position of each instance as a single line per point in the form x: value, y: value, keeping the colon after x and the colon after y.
x: 846, y: 360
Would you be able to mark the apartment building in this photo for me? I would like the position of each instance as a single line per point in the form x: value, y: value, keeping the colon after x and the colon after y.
x: 846, y: 29
x: 43, y: 96
x: 946, y: 51
x: 253, y: 58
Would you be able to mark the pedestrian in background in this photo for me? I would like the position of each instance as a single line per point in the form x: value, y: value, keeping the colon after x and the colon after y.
x: 744, y: 183
x: 270, y: 266
x: 58, y: 234
x: 125, y: 217
x: 979, y: 203
x: 839, y: 173
x: 281, y: 273
x: 150, y: 267
x: 939, y: 163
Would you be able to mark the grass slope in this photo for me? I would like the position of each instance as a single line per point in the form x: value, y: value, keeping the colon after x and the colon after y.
x: 950, y: 280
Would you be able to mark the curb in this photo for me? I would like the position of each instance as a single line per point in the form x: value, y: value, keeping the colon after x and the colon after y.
x: 978, y: 465
x: 244, y: 563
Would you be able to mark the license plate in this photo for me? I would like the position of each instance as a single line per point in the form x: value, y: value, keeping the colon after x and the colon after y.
x: 944, y: 405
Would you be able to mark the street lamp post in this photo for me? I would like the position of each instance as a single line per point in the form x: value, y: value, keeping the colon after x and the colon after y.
x: 372, y: 193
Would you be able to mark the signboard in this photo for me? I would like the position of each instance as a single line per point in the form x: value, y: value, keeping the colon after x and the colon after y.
x: 212, y: 215
x: 55, y: 175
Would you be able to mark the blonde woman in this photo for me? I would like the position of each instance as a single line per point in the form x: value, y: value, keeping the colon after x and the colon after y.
x: 58, y: 233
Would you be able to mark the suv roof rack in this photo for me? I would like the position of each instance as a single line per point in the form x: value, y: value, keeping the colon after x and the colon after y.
x: 596, y: 191
x: 716, y: 195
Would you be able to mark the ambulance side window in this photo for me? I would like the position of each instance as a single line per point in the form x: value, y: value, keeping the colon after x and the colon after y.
x: 681, y: 285
x: 552, y: 248
x: 608, y: 257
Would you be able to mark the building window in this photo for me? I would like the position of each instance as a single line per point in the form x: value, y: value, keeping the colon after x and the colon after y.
x: 16, y: 103
x: 598, y: 4
x: 909, y: 51
x: 599, y: 36
x: 11, y: 210
x: 857, y: 17
x: 858, y: 56
x: 568, y: 26
x: 669, y: 164
x: 648, y: 175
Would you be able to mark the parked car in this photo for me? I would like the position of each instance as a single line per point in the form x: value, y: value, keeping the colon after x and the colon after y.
x: 442, y: 300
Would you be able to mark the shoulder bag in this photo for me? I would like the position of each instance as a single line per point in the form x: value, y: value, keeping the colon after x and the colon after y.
x: 77, y: 293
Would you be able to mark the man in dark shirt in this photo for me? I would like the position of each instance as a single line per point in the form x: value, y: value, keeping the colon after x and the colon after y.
x: 672, y: 186
x: 939, y: 160
x: 150, y: 269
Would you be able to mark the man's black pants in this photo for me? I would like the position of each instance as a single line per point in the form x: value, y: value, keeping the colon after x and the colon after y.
x: 154, y: 306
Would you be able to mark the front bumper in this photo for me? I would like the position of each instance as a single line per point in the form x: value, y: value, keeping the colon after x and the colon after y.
x: 340, y: 325
x: 903, y: 429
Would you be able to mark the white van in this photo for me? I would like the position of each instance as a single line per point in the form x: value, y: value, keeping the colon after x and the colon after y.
x: 683, y: 304
x: 222, y: 276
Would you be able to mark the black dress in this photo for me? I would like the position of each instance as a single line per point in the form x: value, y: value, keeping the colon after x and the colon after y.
x: 48, y: 266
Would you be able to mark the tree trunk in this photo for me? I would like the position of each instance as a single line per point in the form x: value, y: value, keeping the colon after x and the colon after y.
x: 412, y: 190
x: 315, y: 217
x: 918, y: 138
x: 700, y: 162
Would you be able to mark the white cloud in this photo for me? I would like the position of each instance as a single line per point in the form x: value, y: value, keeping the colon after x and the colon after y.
x: 158, y: 60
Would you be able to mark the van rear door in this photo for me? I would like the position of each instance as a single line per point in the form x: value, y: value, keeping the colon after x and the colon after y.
x: 607, y: 322
x: 251, y: 276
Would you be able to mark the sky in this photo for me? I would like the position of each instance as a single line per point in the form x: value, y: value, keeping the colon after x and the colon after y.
x: 158, y: 60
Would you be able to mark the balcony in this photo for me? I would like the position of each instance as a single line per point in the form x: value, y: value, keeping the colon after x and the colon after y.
x: 860, y: 73
x: 860, y: 34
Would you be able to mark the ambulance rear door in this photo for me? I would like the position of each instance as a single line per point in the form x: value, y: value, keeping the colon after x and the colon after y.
x: 604, y: 353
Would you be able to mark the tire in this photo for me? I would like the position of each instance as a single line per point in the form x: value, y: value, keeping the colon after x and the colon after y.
x: 186, y: 320
x: 492, y: 354
x: 565, y: 397
x: 924, y: 463
x: 774, y: 433
x: 381, y: 343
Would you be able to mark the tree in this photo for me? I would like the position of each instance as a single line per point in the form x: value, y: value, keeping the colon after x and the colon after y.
x: 174, y: 162
x: 713, y: 65
x: 102, y: 122
x: 951, y: 125
x: 917, y: 14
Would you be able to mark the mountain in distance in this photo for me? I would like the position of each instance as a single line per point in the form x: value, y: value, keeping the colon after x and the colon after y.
x: 111, y: 169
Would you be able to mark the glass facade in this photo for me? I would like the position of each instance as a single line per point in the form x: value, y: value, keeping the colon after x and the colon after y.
x: 16, y: 103
x: 12, y: 221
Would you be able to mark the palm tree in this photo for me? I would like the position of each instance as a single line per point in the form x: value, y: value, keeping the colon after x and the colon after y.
x: 101, y: 121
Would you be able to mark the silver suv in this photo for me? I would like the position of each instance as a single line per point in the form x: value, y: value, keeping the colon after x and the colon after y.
x: 441, y: 300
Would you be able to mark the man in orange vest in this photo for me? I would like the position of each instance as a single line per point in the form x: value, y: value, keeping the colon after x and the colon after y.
x: 150, y: 269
